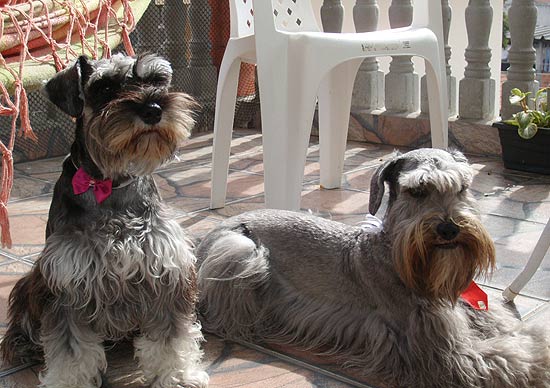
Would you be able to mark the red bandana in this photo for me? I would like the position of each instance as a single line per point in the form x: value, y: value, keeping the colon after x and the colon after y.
x: 82, y: 183
x: 476, y: 297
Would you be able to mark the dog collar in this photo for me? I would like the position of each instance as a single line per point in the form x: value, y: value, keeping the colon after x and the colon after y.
x: 475, y: 297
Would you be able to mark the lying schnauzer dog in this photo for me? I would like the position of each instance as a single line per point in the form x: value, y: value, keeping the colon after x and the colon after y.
x: 387, y: 300
x: 114, y: 265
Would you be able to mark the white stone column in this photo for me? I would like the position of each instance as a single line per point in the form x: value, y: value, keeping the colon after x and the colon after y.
x: 368, y: 91
x: 521, y: 55
x: 332, y: 15
x: 477, y: 89
x: 401, y: 83
x: 451, y: 80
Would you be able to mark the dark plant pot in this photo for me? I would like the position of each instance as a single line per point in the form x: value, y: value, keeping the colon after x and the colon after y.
x: 532, y: 155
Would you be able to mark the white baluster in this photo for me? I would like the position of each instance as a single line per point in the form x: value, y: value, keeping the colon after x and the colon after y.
x: 332, y: 15
x: 401, y: 83
x: 451, y: 80
x: 368, y: 91
x: 477, y: 89
x: 521, y: 55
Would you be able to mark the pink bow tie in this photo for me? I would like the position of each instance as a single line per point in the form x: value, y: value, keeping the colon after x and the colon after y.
x: 82, y: 183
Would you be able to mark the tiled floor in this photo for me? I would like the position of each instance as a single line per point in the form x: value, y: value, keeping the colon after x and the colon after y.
x: 515, y: 206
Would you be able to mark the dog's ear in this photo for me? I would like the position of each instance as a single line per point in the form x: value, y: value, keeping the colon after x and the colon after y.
x: 65, y: 88
x: 377, y: 183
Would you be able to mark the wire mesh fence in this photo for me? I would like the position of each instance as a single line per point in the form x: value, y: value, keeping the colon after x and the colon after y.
x: 192, y: 35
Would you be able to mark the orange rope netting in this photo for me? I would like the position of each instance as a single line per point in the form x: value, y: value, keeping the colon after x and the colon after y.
x: 48, y: 31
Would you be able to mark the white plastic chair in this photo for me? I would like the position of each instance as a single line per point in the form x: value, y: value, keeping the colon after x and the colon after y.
x: 542, y: 246
x: 297, y: 63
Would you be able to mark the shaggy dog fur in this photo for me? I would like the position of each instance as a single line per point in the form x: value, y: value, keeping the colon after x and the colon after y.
x: 385, y: 301
x: 120, y: 268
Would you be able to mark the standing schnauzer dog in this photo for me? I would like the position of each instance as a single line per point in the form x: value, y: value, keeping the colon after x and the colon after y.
x: 114, y: 265
x: 386, y: 300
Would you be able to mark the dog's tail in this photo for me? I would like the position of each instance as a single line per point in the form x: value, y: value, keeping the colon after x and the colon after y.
x: 233, y: 270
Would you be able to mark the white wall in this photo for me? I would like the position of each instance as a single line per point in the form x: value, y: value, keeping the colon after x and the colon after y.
x: 543, y: 14
x: 458, y: 39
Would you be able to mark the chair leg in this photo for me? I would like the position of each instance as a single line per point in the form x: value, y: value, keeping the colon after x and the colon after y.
x: 335, y: 94
x: 534, y: 262
x: 436, y: 79
x: 226, y: 96
x: 288, y: 104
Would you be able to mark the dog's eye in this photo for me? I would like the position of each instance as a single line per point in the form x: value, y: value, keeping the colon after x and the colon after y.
x: 110, y: 90
x: 417, y: 192
x: 157, y: 80
x: 104, y: 90
x: 463, y: 189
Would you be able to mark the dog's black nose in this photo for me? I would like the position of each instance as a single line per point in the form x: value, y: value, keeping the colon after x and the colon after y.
x: 151, y: 113
x: 448, y: 230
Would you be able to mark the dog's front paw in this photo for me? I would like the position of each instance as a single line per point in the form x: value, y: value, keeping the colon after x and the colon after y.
x: 192, y: 379
x: 196, y: 379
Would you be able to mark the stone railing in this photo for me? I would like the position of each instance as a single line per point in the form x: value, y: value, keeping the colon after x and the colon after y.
x: 385, y: 93
x: 477, y: 26
x: 389, y: 91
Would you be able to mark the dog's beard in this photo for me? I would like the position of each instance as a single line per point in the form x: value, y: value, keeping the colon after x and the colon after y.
x: 120, y: 143
x: 442, y: 269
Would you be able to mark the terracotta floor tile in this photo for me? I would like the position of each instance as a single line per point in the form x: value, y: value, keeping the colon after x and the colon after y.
x: 189, y: 204
x: 28, y: 234
x: 25, y: 187
x: 238, y: 207
x: 14, y: 267
x: 335, y: 201
x: 359, y: 179
x: 44, y: 166
x: 514, y: 207
x: 537, y: 287
x: 197, y: 226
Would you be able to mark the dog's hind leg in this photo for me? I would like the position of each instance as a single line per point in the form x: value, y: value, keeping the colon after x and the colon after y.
x: 233, y: 270
x: 21, y: 342
x: 172, y: 360
x: 513, y: 353
x: 74, y: 353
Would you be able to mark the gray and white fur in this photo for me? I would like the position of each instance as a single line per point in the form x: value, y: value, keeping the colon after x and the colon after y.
x: 121, y: 268
x: 385, y: 302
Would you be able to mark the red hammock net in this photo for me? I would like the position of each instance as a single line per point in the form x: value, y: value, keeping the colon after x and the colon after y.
x: 48, y: 32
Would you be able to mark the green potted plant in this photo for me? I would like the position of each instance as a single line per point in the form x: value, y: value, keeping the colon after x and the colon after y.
x: 525, y: 139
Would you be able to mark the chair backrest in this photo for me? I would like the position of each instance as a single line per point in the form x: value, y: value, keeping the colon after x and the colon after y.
x: 288, y: 15
x: 293, y: 15
x: 298, y: 15
x: 242, y: 18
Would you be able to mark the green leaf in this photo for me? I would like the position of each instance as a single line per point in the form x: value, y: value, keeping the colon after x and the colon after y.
x: 511, y: 122
x: 515, y: 99
x: 537, y: 117
x: 528, y: 132
x: 516, y: 92
x: 539, y: 92
x: 524, y: 119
